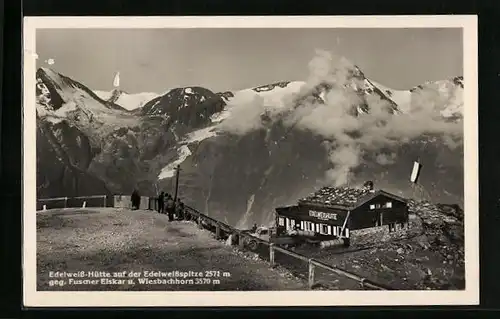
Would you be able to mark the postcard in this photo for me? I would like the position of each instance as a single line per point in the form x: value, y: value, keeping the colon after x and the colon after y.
x: 250, y: 161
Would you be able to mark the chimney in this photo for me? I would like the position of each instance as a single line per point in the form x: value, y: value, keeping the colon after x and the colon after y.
x: 369, y: 186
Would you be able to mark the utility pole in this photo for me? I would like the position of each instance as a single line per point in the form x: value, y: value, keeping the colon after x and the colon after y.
x: 177, y: 171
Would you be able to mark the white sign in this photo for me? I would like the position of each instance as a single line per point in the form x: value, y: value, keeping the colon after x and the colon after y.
x: 322, y: 215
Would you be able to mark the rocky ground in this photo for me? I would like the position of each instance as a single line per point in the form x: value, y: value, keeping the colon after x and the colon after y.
x: 429, y: 255
x: 116, y: 240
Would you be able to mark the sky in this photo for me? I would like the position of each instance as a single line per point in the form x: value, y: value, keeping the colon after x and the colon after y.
x: 156, y: 60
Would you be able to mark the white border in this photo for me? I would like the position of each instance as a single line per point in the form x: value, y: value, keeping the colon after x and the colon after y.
x: 470, y: 296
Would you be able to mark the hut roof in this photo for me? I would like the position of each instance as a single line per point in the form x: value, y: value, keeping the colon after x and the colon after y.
x: 344, y: 197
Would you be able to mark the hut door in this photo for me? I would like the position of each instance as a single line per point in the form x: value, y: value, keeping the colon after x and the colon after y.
x: 379, y: 219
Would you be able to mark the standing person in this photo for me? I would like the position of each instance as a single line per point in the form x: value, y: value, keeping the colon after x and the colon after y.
x: 170, y: 207
x: 179, y: 209
x: 182, y: 210
x: 161, y: 202
x: 137, y: 199
x: 133, y: 199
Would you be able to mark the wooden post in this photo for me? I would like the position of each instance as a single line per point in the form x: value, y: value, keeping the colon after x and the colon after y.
x: 217, y: 231
x: 177, y: 171
x: 84, y: 204
x: 44, y: 207
x: 362, y: 282
x: 271, y: 254
x: 104, y: 200
x: 200, y: 225
x: 311, y: 274
x: 65, y: 202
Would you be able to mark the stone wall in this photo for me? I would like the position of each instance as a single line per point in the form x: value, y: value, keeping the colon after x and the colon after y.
x: 374, y: 235
x: 123, y: 201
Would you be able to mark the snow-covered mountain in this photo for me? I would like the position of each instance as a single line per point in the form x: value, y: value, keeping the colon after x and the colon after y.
x: 127, y: 101
x: 244, y: 152
x: 447, y: 95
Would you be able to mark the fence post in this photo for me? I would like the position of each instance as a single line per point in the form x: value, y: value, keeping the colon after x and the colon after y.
x: 362, y: 282
x: 311, y: 274
x: 65, y: 202
x: 217, y: 231
x: 200, y: 225
x: 271, y: 254
x: 104, y: 200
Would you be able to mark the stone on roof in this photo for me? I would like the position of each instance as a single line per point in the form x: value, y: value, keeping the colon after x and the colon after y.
x: 343, y: 196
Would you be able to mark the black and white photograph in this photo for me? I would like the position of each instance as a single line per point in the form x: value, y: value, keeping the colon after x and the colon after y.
x: 250, y: 161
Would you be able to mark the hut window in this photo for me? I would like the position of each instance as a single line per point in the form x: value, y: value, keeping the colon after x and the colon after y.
x: 281, y: 221
x: 310, y: 226
x: 372, y: 206
x: 323, y: 229
x: 388, y: 205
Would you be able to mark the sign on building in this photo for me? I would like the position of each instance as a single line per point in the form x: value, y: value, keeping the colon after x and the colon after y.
x: 323, y: 215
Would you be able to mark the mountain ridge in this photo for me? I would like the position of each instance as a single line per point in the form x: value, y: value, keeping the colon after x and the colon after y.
x: 229, y: 140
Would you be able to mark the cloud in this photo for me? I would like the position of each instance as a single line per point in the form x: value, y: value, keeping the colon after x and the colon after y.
x: 385, y: 159
x: 245, y: 114
x: 350, y: 133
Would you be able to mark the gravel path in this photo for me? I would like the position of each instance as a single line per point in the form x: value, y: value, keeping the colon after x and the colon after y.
x: 119, y: 240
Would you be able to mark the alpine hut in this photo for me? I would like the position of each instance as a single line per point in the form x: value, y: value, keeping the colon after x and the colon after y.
x: 331, y: 213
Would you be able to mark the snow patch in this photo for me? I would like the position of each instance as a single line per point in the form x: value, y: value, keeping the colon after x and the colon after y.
x: 105, y: 95
x: 245, y: 220
x: 169, y: 170
x: 188, y: 91
x: 129, y: 101
x: 401, y: 97
x: 275, y: 97
x: 184, y: 152
x: 200, y: 135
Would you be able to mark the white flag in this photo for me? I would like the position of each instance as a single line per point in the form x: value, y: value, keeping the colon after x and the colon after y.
x: 415, y: 172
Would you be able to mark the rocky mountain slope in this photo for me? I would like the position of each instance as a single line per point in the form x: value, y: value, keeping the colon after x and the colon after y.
x: 243, y: 153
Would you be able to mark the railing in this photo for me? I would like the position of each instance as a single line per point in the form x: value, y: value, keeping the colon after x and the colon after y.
x: 79, y: 201
x: 316, y: 272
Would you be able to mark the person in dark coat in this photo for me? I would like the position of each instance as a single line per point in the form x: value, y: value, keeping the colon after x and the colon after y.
x: 135, y: 199
x: 170, y: 208
x: 179, y: 209
x: 161, y: 202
